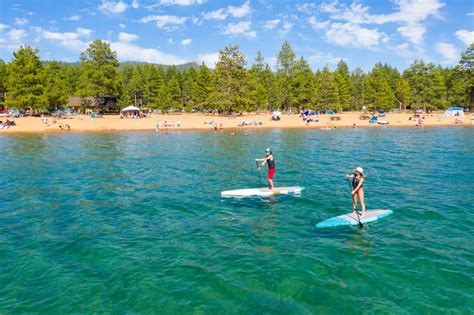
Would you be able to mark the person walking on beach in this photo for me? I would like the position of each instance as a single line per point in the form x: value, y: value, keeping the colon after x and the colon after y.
x: 271, y: 166
x: 358, y: 180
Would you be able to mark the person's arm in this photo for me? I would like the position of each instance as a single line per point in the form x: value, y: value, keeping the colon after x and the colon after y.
x: 265, y: 159
x: 350, y: 176
x: 358, y: 185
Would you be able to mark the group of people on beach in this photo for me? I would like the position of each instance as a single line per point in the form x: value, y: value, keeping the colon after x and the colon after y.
x: 358, y: 179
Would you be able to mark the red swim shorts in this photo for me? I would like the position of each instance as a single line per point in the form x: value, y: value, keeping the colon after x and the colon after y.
x: 271, y: 172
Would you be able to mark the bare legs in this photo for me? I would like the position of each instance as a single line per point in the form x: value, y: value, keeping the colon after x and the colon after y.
x: 270, y: 184
x: 359, y: 195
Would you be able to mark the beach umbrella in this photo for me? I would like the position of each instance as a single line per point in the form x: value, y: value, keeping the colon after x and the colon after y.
x: 276, y: 113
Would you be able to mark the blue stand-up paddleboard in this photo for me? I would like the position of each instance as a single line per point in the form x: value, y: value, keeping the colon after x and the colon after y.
x: 351, y: 218
x: 262, y: 192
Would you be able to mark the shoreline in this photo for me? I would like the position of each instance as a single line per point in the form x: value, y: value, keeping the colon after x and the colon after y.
x: 202, y: 122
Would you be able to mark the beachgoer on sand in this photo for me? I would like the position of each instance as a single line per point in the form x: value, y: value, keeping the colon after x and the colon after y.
x: 271, y: 166
x: 358, y: 180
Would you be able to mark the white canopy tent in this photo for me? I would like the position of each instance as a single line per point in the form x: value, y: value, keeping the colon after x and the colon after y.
x: 131, y: 109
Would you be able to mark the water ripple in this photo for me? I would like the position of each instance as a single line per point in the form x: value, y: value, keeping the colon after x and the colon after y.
x: 133, y: 222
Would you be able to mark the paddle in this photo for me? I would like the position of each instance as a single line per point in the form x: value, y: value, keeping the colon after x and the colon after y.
x: 258, y: 170
x: 357, y: 212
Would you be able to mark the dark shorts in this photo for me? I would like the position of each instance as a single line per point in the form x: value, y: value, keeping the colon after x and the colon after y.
x: 271, y: 172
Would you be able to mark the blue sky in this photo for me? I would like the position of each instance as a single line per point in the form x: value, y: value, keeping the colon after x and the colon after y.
x: 362, y: 32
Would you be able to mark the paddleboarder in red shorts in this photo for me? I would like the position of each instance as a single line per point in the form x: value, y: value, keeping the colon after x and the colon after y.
x: 271, y: 166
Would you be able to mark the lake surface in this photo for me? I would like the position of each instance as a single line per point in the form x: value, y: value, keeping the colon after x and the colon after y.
x: 134, y: 222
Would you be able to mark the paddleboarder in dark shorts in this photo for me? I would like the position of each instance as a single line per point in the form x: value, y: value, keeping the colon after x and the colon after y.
x: 358, y: 180
x: 271, y: 166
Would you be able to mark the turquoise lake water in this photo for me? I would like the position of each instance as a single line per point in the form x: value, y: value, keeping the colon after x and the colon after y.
x: 134, y: 222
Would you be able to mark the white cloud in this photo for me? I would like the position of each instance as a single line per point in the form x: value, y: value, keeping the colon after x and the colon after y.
x: 163, y: 20
x: 322, y: 58
x: 196, y: 20
x: 470, y: 14
x: 240, y: 28
x: 127, y: 37
x: 412, y: 32
x: 209, y: 60
x: 287, y: 26
x: 402, y: 46
x: 409, y: 14
x: 83, y: 31
x: 75, y: 41
x: 16, y: 35
x: 223, y: 13
x: 131, y: 52
x: 449, y: 53
x: 219, y: 14
x: 3, y: 26
x: 329, y: 7
x: 21, y: 21
x: 186, y: 42
x: 170, y: 40
x: 316, y: 24
x: 272, y: 62
x: 175, y: 2
x: 306, y: 7
x: 348, y: 34
x: 122, y: 26
x: 135, y: 4
x: 241, y: 11
x: 73, y: 18
x: 113, y: 7
x: 404, y: 50
x: 465, y: 36
x: 271, y: 24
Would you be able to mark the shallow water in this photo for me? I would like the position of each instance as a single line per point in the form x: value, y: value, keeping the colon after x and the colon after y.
x: 133, y: 222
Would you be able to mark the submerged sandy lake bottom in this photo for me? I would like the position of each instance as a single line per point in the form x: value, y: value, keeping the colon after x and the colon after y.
x: 134, y: 222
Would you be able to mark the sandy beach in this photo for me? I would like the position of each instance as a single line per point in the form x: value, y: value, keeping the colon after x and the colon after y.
x: 171, y: 122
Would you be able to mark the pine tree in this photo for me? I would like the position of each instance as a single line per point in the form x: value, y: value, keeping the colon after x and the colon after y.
x: 3, y: 80
x: 403, y: 93
x: 55, y: 86
x: 99, y: 71
x: 358, y: 78
x: 125, y: 97
x: 467, y: 63
x: 25, y: 83
x: 378, y: 94
x: 205, y: 90
x: 344, y: 86
x: 285, y: 63
x: 155, y: 88
x: 326, y: 90
x: 259, y: 83
x: 173, y: 94
x: 426, y: 83
x: 231, y: 78
x: 301, y: 85
x: 189, y: 88
x: 456, y: 88
x: 71, y: 74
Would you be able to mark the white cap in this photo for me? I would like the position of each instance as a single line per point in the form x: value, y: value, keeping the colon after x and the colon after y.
x: 360, y: 170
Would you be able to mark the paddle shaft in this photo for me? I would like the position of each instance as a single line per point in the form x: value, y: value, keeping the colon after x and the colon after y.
x: 258, y: 170
x: 357, y: 212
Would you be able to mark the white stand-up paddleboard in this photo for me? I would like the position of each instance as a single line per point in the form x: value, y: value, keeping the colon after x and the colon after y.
x: 351, y: 218
x: 262, y: 192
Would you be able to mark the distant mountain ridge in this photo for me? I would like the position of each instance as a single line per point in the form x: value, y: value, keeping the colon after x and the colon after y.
x: 180, y: 67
